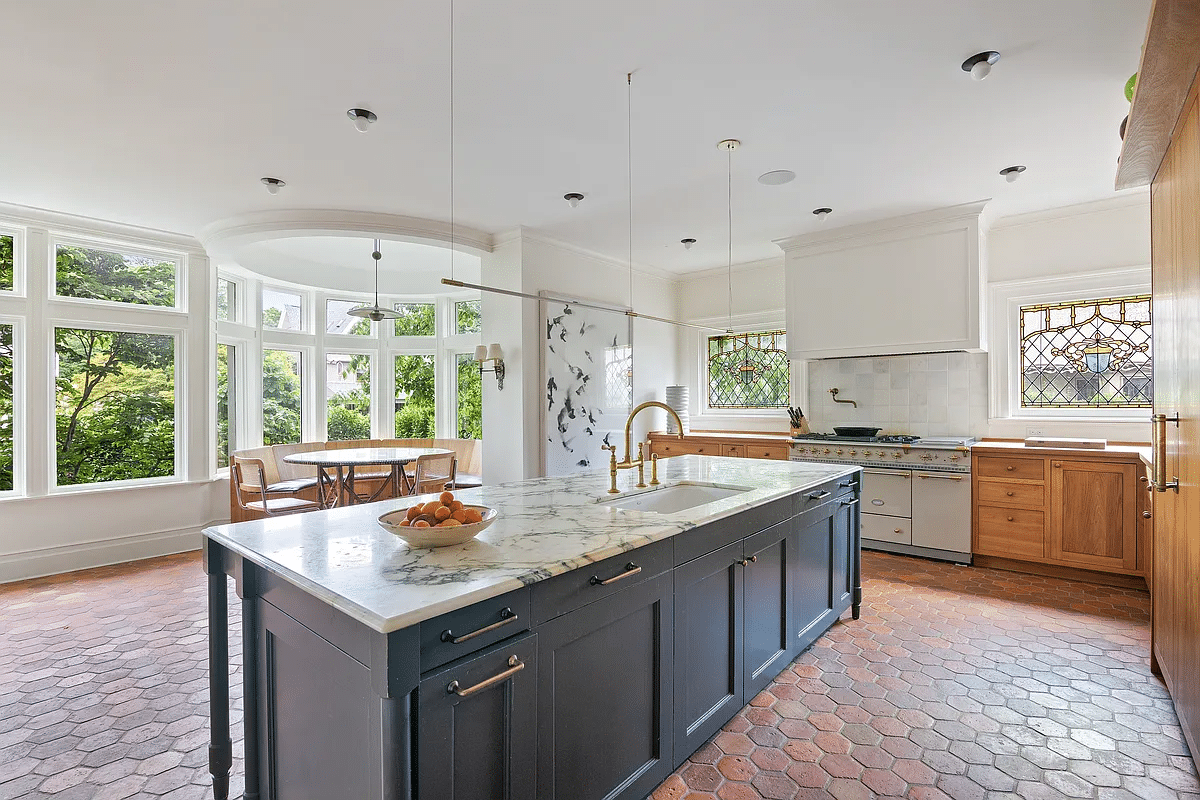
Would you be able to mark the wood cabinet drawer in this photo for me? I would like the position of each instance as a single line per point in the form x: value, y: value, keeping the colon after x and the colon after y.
x: 779, y: 452
x: 678, y: 447
x: 1010, y: 533
x: 999, y: 493
x: 1020, y: 469
x: 733, y: 450
x: 579, y: 587
x: 466, y: 630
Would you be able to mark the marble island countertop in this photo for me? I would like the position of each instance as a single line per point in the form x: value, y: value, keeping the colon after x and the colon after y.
x: 545, y: 527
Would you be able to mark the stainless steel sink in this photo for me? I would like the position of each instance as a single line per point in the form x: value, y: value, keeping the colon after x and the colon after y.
x: 676, y: 497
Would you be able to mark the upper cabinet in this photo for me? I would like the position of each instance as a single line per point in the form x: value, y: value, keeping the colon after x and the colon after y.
x: 910, y: 284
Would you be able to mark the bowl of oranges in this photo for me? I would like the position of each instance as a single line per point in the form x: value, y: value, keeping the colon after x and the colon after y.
x: 438, y: 523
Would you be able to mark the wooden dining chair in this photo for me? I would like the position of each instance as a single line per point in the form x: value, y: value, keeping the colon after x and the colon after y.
x: 434, y: 472
x: 262, y: 503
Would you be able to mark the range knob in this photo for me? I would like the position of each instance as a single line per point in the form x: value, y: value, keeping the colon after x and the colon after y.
x: 827, y: 451
x: 840, y: 451
x: 881, y: 454
x: 853, y: 452
x: 927, y: 456
x: 954, y: 458
x: 897, y: 455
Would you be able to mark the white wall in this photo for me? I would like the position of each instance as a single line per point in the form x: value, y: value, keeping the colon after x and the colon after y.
x: 527, y: 262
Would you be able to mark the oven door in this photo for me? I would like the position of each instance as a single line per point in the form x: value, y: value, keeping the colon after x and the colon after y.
x: 942, y: 511
x: 887, y: 491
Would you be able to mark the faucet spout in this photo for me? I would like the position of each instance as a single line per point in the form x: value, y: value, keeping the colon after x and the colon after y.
x: 634, y: 413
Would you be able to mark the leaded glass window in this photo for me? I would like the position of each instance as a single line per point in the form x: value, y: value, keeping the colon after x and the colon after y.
x: 1087, y: 354
x: 618, y: 378
x: 748, y: 370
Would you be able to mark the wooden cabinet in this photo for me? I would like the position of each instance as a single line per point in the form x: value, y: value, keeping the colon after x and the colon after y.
x: 477, y: 737
x: 1076, y: 509
x: 716, y: 444
x: 604, y: 696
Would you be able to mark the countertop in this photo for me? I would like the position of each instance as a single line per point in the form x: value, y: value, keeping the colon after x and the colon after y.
x: 783, y: 438
x: 1114, y: 452
x: 546, y: 526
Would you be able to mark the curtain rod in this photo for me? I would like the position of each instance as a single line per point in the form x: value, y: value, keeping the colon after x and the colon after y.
x: 583, y: 303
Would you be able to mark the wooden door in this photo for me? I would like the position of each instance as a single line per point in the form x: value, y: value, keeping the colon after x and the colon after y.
x: 604, y: 696
x: 1093, y: 514
x: 708, y: 645
x: 769, y: 604
x: 1175, y: 222
x: 478, y: 740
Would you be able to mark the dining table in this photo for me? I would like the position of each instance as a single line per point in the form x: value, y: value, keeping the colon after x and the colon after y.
x: 336, y: 471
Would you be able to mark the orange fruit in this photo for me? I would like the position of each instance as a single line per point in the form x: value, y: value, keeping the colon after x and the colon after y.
x: 456, y: 505
x: 442, y: 513
x: 459, y: 515
x: 414, y: 512
x: 406, y: 523
x: 420, y: 524
x: 450, y: 523
x: 446, y: 497
x: 431, y: 507
x: 472, y: 516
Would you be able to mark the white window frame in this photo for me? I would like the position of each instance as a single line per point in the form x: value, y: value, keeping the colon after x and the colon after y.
x: 746, y: 323
x: 373, y: 354
x: 113, y: 246
x: 1006, y: 300
x: 19, y: 407
x: 308, y: 426
x: 237, y: 313
x: 325, y: 299
x: 307, y: 310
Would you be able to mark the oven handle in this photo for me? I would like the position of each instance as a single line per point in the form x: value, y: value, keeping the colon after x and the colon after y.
x: 903, y: 473
x: 942, y: 477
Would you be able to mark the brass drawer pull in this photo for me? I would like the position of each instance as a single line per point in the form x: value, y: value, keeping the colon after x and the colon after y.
x: 1010, y: 468
x: 506, y: 615
x: 1145, y: 515
x: 1010, y: 519
x: 630, y: 569
x: 514, y: 666
x: 821, y: 495
x: 897, y: 530
x: 745, y: 562
x: 941, y: 477
x: 888, y: 472
x: 1010, y: 494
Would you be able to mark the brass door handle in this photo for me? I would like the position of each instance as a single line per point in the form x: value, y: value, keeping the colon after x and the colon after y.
x: 1145, y: 515
x: 1010, y: 519
x: 506, y: 616
x: 1159, y: 444
x: 1010, y: 494
x: 514, y: 666
x: 630, y: 570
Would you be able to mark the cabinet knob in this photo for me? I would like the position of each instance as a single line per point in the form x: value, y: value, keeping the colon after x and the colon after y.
x: 744, y: 563
x: 1058, y: 465
x: 897, y: 530
x: 1010, y: 468
x: 753, y: 559
x: 1144, y: 479
x: 1010, y: 494
x: 1145, y: 515
x: 1010, y: 519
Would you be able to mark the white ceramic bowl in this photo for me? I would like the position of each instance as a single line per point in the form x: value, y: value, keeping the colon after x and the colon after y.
x: 433, y: 536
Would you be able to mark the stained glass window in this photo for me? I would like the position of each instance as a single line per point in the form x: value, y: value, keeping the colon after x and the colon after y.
x: 1087, y: 354
x: 748, y: 370
x: 618, y: 378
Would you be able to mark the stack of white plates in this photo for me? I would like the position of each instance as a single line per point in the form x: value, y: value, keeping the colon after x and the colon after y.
x: 677, y: 398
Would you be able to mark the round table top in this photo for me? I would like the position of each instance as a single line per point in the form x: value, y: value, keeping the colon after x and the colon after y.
x: 355, y: 456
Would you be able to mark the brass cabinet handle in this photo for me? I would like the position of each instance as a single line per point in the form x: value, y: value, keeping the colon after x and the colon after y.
x: 941, y: 477
x: 850, y: 502
x: 889, y: 472
x: 1010, y: 494
x: 514, y: 666
x: 1159, y: 444
x: 1010, y: 519
x: 753, y: 559
x: 1010, y: 468
x: 1057, y: 465
x: 1145, y: 515
x: 506, y: 615
x: 630, y: 569
x: 897, y: 530
x: 1143, y: 479
x: 821, y: 495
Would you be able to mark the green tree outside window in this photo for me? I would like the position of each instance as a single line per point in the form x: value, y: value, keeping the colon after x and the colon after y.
x: 7, y: 264
x: 6, y: 408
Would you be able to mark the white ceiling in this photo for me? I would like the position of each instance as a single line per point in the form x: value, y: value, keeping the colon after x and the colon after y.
x: 166, y: 114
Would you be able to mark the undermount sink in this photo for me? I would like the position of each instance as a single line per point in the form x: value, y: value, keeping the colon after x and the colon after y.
x: 676, y: 497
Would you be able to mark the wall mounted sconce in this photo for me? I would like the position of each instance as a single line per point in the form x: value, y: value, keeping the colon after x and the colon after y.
x: 493, y: 353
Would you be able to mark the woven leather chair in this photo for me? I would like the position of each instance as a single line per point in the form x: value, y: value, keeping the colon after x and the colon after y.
x: 434, y: 473
x: 250, y: 495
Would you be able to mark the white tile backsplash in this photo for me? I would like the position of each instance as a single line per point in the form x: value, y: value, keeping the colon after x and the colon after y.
x: 925, y: 395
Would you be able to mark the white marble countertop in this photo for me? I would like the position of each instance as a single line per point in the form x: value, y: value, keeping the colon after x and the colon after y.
x: 546, y: 526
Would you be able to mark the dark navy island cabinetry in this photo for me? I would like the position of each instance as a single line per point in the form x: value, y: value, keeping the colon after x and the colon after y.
x: 594, y: 683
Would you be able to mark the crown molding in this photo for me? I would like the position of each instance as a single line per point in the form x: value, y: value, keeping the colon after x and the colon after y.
x: 1126, y: 199
x: 885, y: 228
x: 224, y: 235
x: 534, y: 235
x: 745, y: 266
x: 91, y: 228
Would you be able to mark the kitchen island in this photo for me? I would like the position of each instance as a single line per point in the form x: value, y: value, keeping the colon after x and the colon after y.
x: 573, y: 650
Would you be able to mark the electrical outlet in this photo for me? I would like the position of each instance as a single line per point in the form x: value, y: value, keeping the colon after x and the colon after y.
x: 1033, y: 432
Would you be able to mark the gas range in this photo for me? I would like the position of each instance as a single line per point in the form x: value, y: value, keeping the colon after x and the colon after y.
x: 940, y: 453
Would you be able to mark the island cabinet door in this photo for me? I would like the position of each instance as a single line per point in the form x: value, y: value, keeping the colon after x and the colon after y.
x: 709, y: 663
x: 769, y: 604
x: 814, y: 572
x: 604, y: 696
x: 477, y: 726
x: 846, y: 564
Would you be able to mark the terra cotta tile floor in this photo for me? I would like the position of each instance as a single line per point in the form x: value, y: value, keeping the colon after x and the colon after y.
x: 956, y: 682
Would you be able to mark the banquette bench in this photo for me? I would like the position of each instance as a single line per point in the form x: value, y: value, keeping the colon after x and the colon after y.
x: 297, y: 483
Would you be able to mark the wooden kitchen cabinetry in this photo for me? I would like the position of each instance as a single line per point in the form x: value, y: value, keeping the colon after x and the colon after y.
x: 1064, y: 509
x: 735, y: 445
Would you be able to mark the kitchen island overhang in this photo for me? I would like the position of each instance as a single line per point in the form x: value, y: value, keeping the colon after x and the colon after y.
x: 349, y: 588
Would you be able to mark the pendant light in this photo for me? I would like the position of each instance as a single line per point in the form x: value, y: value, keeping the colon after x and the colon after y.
x: 729, y: 145
x: 375, y: 313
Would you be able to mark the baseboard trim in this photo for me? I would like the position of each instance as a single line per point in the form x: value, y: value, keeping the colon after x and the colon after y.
x: 69, y: 558
x: 1058, y: 571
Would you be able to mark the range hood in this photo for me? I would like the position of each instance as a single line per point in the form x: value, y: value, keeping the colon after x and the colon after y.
x: 912, y: 284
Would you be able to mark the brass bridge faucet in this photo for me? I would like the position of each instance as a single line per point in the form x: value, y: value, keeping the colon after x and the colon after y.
x: 613, y: 466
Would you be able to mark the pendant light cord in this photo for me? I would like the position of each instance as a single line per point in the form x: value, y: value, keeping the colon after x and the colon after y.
x: 729, y: 223
x: 452, y: 247
x: 375, y: 256
x: 629, y: 170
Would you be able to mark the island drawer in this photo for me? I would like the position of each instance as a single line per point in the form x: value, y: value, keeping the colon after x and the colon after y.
x: 703, y: 539
x: 466, y: 630
x: 579, y: 587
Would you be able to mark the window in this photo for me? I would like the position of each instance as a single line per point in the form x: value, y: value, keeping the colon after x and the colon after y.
x: 7, y: 415
x: 348, y: 389
x: 618, y: 378
x: 282, y: 310
x: 415, y: 397
x: 226, y: 409
x: 7, y: 263
x: 115, y: 405
x: 1086, y: 354
x: 467, y: 317
x: 469, y: 410
x: 337, y: 320
x: 95, y: 274
x: 226, y: 300
x: 748, y: 370
x: 416, y: 319
x: 281, y: 396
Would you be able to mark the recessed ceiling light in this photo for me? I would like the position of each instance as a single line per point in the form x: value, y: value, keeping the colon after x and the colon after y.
x: 1012, y: 173
x: 573, y: 198
x: 273, y: 184
x: 980, y: 64
x: 687, y: 243
x: 777, y: 177
x: 822, y: 213
x: 362, y: 118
